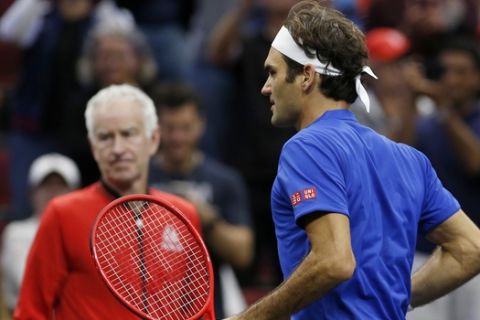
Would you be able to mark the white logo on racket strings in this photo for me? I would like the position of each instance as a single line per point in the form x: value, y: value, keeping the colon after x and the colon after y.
x: 170, y: 240
x: 139, y: 223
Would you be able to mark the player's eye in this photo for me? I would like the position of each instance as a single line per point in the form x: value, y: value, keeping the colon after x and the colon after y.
x: 129, y: 133
x: 103, y: 136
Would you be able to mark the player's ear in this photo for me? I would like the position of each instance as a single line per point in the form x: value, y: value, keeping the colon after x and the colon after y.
x: 93, y: 150
x: 309, y: 78
x: 155, y: 140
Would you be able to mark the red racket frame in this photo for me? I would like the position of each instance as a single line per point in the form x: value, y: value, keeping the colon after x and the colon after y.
x: 208, y: 310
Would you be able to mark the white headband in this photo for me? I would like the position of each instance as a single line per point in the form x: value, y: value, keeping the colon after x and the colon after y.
x: 285, y: 44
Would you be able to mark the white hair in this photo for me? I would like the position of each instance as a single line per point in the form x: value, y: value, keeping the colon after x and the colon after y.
x: 124, y: 91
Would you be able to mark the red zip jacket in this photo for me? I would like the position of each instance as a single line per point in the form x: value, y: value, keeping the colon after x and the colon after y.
x: 60, y: 280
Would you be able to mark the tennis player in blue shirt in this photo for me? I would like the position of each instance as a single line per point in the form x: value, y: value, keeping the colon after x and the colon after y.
x: 347, y: 203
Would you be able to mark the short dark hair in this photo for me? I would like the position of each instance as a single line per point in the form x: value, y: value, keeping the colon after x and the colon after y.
x: 173, y: 96
x: 336, y: 41
x: 464, y: 44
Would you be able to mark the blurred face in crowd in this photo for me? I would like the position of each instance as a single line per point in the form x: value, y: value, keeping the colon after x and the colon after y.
x: 284, y: 96
x: 425, y: 16
x: 461, y: 77
x: 116, y: 61
x: 120, y: 144
x: 53, y: 185
x: 181, y: 129
x: 74, y: 10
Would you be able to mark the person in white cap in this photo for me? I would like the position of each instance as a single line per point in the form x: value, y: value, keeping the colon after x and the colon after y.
x: 50, y: 175
x: 347, y: 203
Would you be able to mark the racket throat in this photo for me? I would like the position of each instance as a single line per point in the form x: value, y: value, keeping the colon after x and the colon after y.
x: 142, y: 266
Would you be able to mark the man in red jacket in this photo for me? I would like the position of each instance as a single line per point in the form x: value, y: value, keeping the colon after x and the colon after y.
x: 60, y: 279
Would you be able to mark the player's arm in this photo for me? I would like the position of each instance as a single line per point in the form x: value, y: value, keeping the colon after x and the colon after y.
x: 45, y: 270
x: 329, y: 262
x: 456, y: 260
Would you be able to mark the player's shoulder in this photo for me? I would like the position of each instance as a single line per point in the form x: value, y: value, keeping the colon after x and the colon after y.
x: 410, y: 151
x: 310, y: 137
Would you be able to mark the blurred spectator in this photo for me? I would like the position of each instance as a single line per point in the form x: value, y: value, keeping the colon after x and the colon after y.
x: 423, y: 17
x: 50, y: 175
x: 390, y: 96
x: 450, y: 137
x: 115, y: 52
x: 206, y: 15
x: 257, y: 143
x: 165, y: 24
x: 425, y: 22
x: 217, y: 191
x: 52, y: 34
x: 352, y: 9
x: 214, y: 83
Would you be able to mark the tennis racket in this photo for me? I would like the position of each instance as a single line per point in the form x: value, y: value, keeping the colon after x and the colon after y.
x: 153, y: 260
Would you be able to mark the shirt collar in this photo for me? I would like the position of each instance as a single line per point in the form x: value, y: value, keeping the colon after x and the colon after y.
x: 338, y: 114
x: 113, y: 193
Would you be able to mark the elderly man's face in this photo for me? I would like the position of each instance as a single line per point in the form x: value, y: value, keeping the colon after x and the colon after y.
x: 120, y: 144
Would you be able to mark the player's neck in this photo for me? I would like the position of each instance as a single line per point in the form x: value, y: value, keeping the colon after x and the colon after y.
x: 315, y: 107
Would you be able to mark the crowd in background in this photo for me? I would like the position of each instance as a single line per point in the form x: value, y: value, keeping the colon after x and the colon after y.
x: 55, y: 55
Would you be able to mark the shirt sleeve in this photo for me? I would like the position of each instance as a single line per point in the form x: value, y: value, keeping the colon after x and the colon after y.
x: 311, y: 173
x: 45, y: 271
x: 439, y: 204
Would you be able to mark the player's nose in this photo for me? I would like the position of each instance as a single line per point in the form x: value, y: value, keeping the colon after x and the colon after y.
x: 266, y: 89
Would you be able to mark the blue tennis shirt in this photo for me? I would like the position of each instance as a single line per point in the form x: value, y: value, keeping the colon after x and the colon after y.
x: 389, y: 192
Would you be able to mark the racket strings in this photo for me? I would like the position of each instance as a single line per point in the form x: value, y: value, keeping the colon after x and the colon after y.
x: 175, y: 279
x: 194, y: 260
x: 174, y: 283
